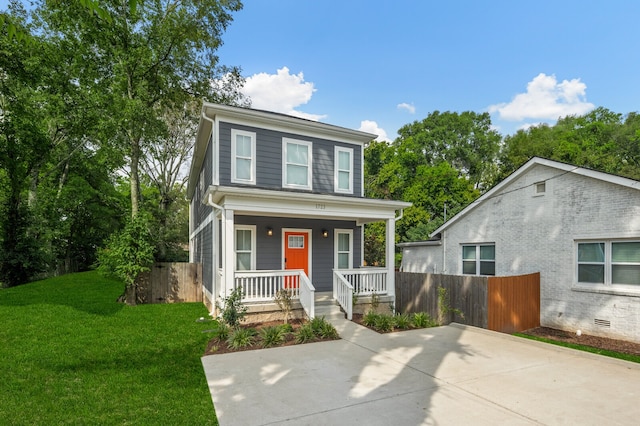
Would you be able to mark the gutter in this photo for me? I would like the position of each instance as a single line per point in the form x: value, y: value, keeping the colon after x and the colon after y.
x: 212, y: 204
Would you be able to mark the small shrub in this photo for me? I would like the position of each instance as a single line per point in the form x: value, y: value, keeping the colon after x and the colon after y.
x: 233, y: 310
x: 327, y: 330
x: 402, y: 321
x: 241, y: 338
x: 444, y: 308
x: 369, y: 319
x: 272, y: 336
x: 286, y: 328
x: 221, y: 332
x: 421, y: 320
x: 305, y: 334
x: 284, y: 299
x: 384, y: 323
x: 316, y: 325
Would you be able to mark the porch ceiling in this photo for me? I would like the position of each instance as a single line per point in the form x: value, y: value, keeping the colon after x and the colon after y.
x: 295, y: 204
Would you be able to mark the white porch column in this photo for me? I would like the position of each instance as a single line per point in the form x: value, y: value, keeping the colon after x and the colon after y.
x: 391, y: 257
x: 227, y: 252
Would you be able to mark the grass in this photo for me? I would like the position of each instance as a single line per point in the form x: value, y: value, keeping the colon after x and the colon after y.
x: 605, y: 352
x: 72, y: 355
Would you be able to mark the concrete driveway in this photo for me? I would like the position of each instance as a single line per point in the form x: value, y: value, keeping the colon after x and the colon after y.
x: 448, y: 375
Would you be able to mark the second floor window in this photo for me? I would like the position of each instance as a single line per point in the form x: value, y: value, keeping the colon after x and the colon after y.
x: 343, y: 170
x: 296, y: 164
x: 243, y: 157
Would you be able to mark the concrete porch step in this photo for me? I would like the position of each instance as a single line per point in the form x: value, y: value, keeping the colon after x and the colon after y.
x: 329, y: 311
x: 323, y: 298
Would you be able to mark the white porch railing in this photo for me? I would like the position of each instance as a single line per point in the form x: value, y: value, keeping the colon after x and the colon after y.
x: 262, y: 286
x: 307, y: 295
x: 362, y: 281
x: 366, y: 281
x: 343, y: 293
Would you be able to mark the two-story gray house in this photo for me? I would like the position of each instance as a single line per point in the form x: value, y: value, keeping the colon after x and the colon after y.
x: 278, y: 202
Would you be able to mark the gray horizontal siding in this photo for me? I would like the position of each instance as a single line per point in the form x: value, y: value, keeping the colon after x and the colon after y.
x: 269, y: 249
x: 269, y: 159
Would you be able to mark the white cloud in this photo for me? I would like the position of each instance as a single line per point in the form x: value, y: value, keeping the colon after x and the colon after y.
x: 372, y: 127
x: 280, y: 92
x: 546, y: 99
x: 409, y: 107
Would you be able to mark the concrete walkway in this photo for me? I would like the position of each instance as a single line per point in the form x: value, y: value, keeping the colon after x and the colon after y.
x: 451, y: 375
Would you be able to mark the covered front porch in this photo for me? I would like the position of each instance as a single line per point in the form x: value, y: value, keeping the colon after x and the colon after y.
x: 259, y: 288
x: 265, y: 241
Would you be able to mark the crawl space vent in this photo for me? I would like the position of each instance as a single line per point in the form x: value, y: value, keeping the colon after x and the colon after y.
x: 602, y: 323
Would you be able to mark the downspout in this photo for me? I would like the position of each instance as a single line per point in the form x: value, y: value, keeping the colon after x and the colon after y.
x: 444, y: 252
x: 400, y: 215
x: 209, y: 202
x: 212, y: 204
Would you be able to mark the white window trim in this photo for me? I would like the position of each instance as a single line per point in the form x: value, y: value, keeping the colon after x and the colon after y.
x: 337, y: 232
x: 234, y: 178
x: 608, y: 287
x: 477, y: 259
x: 251, y: 228
x: 309, y: 145
x: 337, y: 151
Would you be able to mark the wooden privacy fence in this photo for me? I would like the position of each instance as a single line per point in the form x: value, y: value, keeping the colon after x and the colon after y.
x: 171, y: 283
x: 506, y: 304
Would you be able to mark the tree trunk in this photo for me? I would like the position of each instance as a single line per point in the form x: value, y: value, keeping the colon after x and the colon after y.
x: 135, y: 177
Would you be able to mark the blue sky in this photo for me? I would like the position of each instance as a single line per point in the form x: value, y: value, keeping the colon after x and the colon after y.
x: 378, y: 65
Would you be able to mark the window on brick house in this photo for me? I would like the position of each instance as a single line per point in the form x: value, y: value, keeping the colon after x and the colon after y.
x: 608, y: 262
x: 479, y: 259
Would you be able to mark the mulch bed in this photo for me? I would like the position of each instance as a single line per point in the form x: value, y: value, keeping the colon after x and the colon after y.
x: 216, y: 347
x: 622, y: 346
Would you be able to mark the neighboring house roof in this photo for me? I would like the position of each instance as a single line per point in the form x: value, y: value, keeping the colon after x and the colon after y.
x: 266, y: 120
x: 563, y: 169
x: 436, y: 240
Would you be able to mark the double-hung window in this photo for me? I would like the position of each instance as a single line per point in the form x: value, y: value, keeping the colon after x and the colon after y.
x: 245, y: 248
x: 343, y: 248
x: 479, y: 259
x: 296, y: 164
x: 609, y: 262
x: 343, y: 167
x: 243, y: 157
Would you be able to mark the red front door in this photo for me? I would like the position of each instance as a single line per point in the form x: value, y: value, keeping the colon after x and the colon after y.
x: 296, y: 253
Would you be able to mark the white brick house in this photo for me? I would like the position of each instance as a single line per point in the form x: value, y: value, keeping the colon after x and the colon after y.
x: 579, y: 228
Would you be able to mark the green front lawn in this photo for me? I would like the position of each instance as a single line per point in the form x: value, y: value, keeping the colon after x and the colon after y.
x: 72, y: 355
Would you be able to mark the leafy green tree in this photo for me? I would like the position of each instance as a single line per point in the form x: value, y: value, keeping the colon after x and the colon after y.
x: 24, y: 100
x: 601, y: 140
x: 441, y: 162
x: 464, y: 140
x: 143, y: 57
x: 129, y: 253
